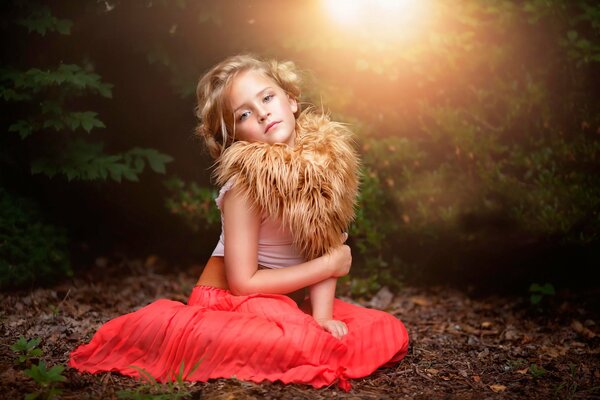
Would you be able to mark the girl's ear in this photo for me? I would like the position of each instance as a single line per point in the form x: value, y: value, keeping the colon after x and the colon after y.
x: 293, y: 103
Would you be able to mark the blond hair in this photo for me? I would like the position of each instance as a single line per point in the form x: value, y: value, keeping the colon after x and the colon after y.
x: 213, y: 113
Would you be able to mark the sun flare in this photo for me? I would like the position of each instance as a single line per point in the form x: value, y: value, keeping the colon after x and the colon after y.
x: 393, y: 16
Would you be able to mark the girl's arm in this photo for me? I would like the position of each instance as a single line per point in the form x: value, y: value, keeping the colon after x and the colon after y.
x: 321, y: 299
x: 241, y: 229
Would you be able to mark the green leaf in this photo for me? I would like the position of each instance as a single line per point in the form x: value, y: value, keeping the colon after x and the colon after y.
x: 36, y: 352
x: 51, y: 107
x: 55, y: 374
x: 535, y: 287
x: 9, y: 94
x: 179, y: 376
x: 116, y: 172
x: 144, y: 374
x: 37, y: 372
x: 89, y: 121
x: 23, y: 127
x: 41, y: 21
x: 32, y: 396
x: 63, y: 26
x: 548, y: 289
x: 21, y: 345
x: 54, y: 392
x: 572, y: 35
x: 537, y: 371
x: 57, y: 124
x: 535, y: 298
x: 71, y: 174
x: 105, y: 90
x: 157, y: 161
x: 130, y: 175
x: 138, y: 164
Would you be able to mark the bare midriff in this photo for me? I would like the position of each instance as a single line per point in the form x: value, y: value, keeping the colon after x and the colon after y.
x: 214, y: 275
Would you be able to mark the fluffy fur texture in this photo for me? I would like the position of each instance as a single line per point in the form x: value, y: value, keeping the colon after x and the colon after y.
x: 311, y: 188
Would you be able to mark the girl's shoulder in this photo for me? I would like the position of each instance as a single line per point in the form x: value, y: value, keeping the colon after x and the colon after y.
x: 224, y: 189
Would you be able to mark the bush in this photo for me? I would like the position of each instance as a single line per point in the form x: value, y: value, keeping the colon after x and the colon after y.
x: 31, y: 251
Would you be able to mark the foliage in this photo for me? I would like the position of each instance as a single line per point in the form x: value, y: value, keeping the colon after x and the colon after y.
x: 75, y: 158
x: 31, y: 250
x: 537, y: 371
x: 193, y: 204
x: 538, y: 292
x: 26, y: 349
x: 46, y: 97
x: 47, y: 379
x: 86, y: 161
x: 512, y: 154
x: 41, y: 20
x: 153, y: 390
x: 46, y: 94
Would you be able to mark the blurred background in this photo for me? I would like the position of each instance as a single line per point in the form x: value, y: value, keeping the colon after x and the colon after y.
x: 477, y: 121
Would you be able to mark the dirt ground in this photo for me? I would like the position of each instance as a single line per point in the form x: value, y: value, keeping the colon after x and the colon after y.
x: 461, y: 347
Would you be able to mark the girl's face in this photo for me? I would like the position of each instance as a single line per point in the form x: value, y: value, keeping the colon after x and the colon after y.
x: 262, y: 111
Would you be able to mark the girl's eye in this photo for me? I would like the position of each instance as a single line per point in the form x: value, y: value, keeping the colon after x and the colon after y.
x: 268, y: 98
x: 244, y: 115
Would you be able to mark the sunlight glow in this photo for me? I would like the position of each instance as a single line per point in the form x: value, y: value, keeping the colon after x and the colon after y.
x: 344, y: 11
x: 392, y: 16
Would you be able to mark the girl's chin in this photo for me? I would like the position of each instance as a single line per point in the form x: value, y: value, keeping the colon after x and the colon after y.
x: 279, y: 137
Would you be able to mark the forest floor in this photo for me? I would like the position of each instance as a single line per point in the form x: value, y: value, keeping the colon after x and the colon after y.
x: 461, y: 347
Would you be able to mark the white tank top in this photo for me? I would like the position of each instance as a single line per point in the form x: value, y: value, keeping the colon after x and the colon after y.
x: 275, y: 244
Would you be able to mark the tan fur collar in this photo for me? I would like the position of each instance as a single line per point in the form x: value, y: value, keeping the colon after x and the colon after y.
x: 311, y: 188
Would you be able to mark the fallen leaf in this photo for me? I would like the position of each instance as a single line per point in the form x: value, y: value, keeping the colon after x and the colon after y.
x: 420, y: 301
x: 582, y: 330
x: 483, y: 354
x: 486, y: 324
x: 522, y: 371
x: 526, y: 339
x: 554, y: 352
x: 152, y: 261
x: 468, y: 328
x: 498, y: 388
x: 511, y: 334
x: 432, y: 371
x: 476, y: 378
x: 382, y: 299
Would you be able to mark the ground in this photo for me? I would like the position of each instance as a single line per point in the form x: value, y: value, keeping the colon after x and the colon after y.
x: 461, y: 347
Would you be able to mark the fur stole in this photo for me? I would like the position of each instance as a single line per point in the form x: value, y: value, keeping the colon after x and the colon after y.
x: 311, y: 188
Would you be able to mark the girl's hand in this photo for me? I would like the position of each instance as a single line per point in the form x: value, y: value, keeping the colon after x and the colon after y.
x: 337, y: 328
x: 339, y: 260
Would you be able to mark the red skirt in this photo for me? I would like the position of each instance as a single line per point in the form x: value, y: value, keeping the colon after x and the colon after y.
x: 254, y: 338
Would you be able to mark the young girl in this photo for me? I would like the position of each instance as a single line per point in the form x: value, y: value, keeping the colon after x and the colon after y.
x: 288, y: 189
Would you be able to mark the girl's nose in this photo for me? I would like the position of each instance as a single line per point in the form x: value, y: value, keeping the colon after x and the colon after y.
x: 263, y: 113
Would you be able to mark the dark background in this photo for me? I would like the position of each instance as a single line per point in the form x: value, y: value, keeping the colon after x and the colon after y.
x: 477, y: 122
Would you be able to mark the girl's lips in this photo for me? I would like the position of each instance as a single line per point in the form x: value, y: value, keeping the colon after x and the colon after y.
x: 272, y: 124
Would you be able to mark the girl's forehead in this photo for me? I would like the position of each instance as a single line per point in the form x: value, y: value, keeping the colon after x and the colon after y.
x: 248, y: 84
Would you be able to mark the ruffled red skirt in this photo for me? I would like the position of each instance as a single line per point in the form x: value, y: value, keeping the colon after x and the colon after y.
x: 255, y: 338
